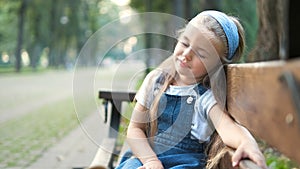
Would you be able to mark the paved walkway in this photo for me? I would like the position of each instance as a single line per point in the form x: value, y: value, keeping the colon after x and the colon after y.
x: 22, y: 94
x: 39, y: 90
x: 76, y: 149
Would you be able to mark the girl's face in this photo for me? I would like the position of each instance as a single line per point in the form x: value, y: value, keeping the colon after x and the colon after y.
x: 197, y: 51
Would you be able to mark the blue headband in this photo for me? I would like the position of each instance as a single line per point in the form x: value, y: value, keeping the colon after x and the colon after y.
x: 229, y: 28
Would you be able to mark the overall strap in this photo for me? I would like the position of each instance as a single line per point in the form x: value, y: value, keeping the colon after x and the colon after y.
x: 200, y: 89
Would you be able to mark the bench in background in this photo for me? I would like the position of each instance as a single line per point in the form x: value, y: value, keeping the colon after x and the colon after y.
x: 105, y: 155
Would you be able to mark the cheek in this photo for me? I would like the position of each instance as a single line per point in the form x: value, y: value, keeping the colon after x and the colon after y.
x: 211, y: 63
x: 200, y: 69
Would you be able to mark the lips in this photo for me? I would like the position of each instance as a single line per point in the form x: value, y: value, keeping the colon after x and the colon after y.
x: 182, y: 62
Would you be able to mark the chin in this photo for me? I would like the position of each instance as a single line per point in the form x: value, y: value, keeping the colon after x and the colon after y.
x: 185, y: 73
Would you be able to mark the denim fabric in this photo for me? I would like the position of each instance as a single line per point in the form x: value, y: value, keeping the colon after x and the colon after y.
x: 174, y: 127
x: 129, y: 163
x: 173, y: 143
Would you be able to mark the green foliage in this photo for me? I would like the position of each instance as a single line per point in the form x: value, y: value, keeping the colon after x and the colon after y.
x: 108, y: 10
x: 155, y: 5
x: 10, y: 70
x: 8, y: 28
x: 276, y: 160
x: 61, y: 27
x: 245, y: 10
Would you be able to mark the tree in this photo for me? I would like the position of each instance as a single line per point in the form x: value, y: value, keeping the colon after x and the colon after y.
x: 66, y: 30
x: 210, y: 4
x: 37, y: 30
x: 8, y: 29
x: 21, y: 15
x: 272, y: 34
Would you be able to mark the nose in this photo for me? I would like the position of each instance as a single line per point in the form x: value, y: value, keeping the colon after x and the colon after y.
x: 187, y: 53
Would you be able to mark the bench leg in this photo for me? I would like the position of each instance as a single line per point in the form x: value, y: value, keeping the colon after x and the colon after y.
x: 115, y: 119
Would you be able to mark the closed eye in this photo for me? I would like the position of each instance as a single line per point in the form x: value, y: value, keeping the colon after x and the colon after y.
x: 184, y: 43
x: 200, y: 54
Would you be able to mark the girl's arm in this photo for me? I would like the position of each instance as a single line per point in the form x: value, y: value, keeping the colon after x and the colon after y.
x: 137, y: 138
x: 237, y: 137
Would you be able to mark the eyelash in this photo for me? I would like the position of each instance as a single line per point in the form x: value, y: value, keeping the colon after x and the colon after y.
x: 184, y: 44
x: 201, y: 56
x: 187, y: 45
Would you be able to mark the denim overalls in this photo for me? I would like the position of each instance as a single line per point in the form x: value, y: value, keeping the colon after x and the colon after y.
x: 173, y: 142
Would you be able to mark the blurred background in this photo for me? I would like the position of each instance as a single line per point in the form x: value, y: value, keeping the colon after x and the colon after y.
x: 37, y: 34
x: 48, y: 122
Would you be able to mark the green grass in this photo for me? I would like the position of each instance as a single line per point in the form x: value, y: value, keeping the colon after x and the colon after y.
x: 279, y: 162
x: 124, y: 124
x: 10, y: 69
x: 24, y: 139
x: 276, y: 160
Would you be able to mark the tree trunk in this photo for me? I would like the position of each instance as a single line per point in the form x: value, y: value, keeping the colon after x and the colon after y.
x: 35, y: 49
x: 272, y: 36
x: 53, y: 31
x: 22, y: 11
x: 148, y: 38
x: 210, y: 4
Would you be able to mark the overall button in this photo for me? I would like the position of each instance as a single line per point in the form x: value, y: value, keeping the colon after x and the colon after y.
x: 189, y: 100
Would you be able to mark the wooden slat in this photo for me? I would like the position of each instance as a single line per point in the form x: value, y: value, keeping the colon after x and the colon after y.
x: 244, y: 163
x: 104, y: 155
x: 116, y: 98
x: 248, y: 164
x: 261, y: 102
x: 116, y: 95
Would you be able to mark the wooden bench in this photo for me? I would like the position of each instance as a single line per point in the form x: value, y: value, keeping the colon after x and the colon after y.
x: 105, y: 155
x: 264, y: 97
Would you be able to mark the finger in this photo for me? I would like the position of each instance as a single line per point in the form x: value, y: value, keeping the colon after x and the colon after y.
x: 259, y: 160
x: 236, y: 157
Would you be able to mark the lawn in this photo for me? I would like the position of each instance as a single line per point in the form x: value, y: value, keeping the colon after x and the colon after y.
x: 24, y: 139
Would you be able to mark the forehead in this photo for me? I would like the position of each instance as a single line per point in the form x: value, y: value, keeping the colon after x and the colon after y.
x: 197, y: 32
x: 199, y: 36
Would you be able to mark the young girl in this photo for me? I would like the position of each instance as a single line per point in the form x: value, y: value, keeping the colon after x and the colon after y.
x: 177, y: 107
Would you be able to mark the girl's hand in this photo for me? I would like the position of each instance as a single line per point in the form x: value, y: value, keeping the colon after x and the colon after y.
x: 251, y: 151
x: 153, y: 164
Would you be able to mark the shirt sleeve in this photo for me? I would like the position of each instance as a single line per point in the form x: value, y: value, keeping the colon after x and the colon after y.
x: 202, y: 127
x: 207, y: 101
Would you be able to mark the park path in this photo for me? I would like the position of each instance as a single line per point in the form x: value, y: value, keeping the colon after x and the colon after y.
x: 75, y: 150
x: 25, y: 93
x: 22, y: 94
